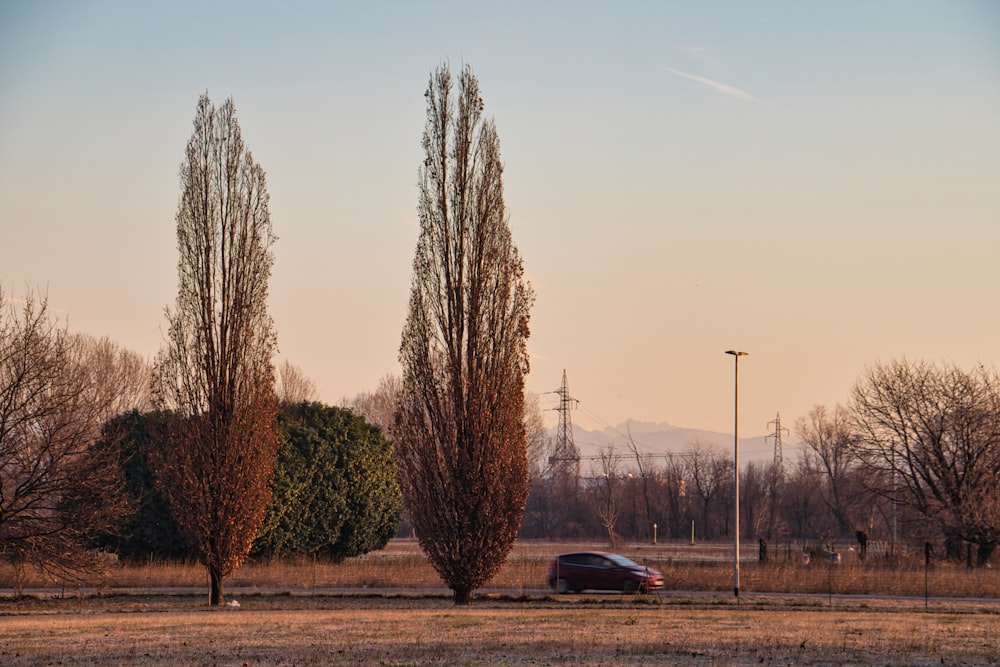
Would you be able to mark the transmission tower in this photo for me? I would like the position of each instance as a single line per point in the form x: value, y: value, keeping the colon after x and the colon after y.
x: 566, y: 456
x: 779, y: 465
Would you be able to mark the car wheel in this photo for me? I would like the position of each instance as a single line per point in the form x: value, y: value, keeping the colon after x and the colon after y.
x: 629, y: 586
x: 562, y: 586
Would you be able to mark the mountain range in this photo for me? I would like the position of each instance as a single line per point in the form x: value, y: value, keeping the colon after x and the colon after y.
x: 663, y: 438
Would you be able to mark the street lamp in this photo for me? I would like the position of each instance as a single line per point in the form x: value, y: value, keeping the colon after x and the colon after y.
x: 736, y: 466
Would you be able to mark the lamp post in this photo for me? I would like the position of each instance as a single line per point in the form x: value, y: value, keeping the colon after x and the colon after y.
x: 736, y: 466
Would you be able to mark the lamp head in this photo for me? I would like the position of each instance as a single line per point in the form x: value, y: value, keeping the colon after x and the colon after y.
x: 737, y: 353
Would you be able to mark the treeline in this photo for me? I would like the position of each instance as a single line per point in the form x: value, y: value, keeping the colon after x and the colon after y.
x: 81, y: 448
x: 914, y: 458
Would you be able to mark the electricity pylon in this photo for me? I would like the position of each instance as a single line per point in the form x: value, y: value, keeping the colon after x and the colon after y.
x: 565, y: 457
x: 779, y: 465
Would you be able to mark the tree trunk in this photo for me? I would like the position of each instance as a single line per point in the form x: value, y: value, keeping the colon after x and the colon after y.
x: 953, y: 547
x: 462, y: 595
x: 215, y: 598
x: 984, y: 552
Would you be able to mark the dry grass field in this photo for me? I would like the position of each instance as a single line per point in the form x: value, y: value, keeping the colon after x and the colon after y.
x: 703, y: 567
x: 312, y: 613
x: 417, y: 631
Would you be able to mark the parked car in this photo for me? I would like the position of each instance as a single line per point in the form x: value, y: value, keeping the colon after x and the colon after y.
x: 597, y: 570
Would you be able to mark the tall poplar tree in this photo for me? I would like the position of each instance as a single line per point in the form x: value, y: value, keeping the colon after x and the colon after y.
x: 459, y: 429
x: 215, y: 374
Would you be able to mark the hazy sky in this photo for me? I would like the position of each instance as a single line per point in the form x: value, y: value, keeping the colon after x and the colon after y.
x: 817, y: 183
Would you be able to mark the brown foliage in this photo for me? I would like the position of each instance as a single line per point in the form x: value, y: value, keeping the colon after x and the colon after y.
x: 215, y: 374
x: 459, y: 430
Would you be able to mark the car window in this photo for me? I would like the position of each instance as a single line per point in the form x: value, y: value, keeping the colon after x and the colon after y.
x: 621, y: 561
x: 575, y: 559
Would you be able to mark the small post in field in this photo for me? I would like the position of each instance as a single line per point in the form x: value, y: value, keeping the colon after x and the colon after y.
x: 927, y: 566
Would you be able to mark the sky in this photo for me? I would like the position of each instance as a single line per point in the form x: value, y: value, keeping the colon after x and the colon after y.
x: 814, y: 183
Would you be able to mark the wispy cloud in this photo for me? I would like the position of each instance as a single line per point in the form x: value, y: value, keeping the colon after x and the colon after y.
x: 715, y: 85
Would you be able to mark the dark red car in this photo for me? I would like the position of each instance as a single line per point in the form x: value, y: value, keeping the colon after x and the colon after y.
x: 597, y: 570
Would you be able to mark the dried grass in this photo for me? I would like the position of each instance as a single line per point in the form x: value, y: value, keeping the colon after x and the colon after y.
x: 306, y: 612
x: 401, y: 631
x: 703, y: 567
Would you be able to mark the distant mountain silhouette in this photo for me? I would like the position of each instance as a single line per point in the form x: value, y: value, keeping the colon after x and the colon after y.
x: 663, y: 438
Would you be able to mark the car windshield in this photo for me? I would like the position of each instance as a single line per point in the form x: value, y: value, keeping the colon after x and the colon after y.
x: 621, y: 561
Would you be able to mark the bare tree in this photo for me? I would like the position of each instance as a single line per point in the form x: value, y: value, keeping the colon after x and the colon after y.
x: 215, y: 373
x: 459, y: 430
x: 931, y: 435
x: 801, y: 500
x: 379, y: 406
x: 708, y: 470
x: 828, y: 446
x: 643, y: 465
x: 676, y: 497
x: 57, y: 490
x: 772, y: 522
x: 607, y: 494
x: 544, y: 509
x: 754, y: 499
x: 538, y: 439
x: 120, y: 378
x: 294, y: 386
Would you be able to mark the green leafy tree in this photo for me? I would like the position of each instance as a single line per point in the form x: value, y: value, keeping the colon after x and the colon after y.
x: 151, y: 531
x: 335, y: 487
x: 459, y: 430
